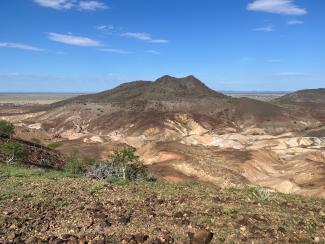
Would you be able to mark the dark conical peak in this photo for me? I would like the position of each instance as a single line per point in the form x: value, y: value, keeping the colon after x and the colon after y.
x: 166, y: 88
x: 188, y: 86
x: 169, y: 78
x: 165, y: 78
x: 189, y: 81
x: 191, y: 77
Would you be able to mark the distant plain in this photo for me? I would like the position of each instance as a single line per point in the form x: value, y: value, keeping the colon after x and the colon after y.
x: 34, y: 98
x: 48, y: 98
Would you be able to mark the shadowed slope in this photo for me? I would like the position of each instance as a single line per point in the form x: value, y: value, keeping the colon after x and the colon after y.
x: 308, y: 102
x: 304, y: 96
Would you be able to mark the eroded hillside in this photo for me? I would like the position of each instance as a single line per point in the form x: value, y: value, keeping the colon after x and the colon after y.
x: 183, y: 129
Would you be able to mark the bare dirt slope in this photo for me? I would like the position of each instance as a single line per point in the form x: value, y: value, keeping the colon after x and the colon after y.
x: 55, y: 208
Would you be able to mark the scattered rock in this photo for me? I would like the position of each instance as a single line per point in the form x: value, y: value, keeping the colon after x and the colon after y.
x: 125, y: 219
x: 178, y: 215
x: 137, y: 238
x: 154, y: 241
x: 200, y: 237
x: 140, y: 238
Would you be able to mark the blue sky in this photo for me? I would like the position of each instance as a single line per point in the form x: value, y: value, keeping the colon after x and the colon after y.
x: 88, y: 46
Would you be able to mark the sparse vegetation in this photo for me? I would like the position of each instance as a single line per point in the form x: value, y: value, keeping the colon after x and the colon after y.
x: 75, y: 164
x: 13, y: 151
x: 123, y: 164
x: 54, y: 206
x: 7, y: 128
x: 55, y: 145
x: 262, y: 193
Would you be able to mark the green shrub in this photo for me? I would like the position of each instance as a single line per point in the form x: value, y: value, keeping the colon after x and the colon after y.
x: 13, y: 152
x: 75, y: 164
x: 123, y: 164
x: 135, y: 171
x: 132, y: 168
x: 7, y: 128
x: 262, y: 194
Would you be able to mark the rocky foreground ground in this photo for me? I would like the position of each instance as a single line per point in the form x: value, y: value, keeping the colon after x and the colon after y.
x: 38, y: 206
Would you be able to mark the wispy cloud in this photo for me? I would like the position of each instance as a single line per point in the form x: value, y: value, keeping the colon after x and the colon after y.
x: 286, y: 7
x: 105, y: 27
x: 20, y: 46
x: 72, y: 4
x: 290, y: 74
x: 159, y: 41
x: 74, y: 40
x: 153, y: 52
x: 113, y: 50
x: 264, y: 29
x: 92, y: 5
x: 143, y: 37
x: 56, y: 4
x: 295, y: 22
x: 137, y: 35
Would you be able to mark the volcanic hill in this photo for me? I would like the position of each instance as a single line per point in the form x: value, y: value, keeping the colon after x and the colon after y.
x: 182, y: 129
x: 168, y: 95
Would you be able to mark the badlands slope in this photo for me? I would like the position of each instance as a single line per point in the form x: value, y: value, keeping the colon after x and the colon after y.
x: 182, y: 129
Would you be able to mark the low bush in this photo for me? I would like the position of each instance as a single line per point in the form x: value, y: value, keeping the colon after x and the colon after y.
x: 7, y: 128
x: 75, y: 164
x: 123, y: 164
x: 13, y: 151
x: 262, y: 194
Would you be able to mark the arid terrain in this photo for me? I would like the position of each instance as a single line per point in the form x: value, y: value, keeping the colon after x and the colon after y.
x: 263, y: 96
x: 55, y: 207
x: 184, y: 130
x: 34, y: 98
x: 162, y: 122
x: 48, y: 98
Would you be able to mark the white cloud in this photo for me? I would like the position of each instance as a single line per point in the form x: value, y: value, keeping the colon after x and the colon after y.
x: 153, y: 52
x: 113, y: 50
x: 105, y: 27
x: 295, y: 22
x: 56, y: 4
x: 264, y: 29
x: 92, y: 5
x: 276, y: 7
x: 72, y: 4
x: 137, y: 35
x: 73, y: 40
x: 159, y: 41
x: 19, y: 46
x: 143, y: 37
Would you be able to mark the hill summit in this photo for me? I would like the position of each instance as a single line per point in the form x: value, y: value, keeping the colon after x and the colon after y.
x: 166, y: 88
